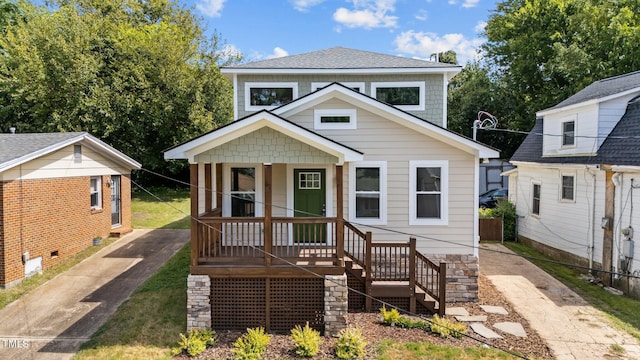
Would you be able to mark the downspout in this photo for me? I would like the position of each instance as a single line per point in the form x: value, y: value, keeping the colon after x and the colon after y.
x: 592, y: 238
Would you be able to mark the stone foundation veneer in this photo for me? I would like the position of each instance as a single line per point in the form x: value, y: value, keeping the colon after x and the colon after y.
x: 462, y: 276
x: 336, y: 304
x: 198, y: 302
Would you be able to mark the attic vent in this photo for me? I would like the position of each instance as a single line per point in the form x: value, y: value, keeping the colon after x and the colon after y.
x: 77, y: 153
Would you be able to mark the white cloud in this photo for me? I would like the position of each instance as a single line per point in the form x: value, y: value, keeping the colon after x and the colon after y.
x: 212, y: 8
x: 423, y: 44
x: 367, y: 14
x: 452, y: 2
x: 278, y: 52
x: 470, y: 3
x: 304, y: 5
x: 422, y: 15
x: 480, y: 26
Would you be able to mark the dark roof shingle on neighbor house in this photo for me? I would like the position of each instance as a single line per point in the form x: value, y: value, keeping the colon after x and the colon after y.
x: 14, y: 146
x: 341, y: 58
x: 621, y: 147
x: 603, y: 88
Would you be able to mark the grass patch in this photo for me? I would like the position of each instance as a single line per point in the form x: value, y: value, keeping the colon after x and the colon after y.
x: 8, y: 296
x: 390, y: 350
x: 147, y: 325
x: 623, y: 311
x: 147, y: 212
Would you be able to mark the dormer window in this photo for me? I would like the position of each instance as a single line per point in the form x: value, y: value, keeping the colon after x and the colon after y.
x: 259, y: 96
x: 406, y: 95
x: 568, y: 133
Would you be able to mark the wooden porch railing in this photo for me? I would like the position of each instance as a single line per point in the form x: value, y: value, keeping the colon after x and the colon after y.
x: 396, y: 262
x: 247, y: 240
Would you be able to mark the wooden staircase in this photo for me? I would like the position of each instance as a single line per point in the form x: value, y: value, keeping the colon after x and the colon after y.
x: 392, y: 272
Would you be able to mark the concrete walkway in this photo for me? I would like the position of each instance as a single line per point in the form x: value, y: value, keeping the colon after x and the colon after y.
x: 54, y: 320
x: 569, y: 325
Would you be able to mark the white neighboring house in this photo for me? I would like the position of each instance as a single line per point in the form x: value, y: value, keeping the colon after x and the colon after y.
x: 577, y: 172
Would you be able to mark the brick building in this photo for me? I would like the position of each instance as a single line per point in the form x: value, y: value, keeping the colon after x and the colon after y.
x: 58, y: 192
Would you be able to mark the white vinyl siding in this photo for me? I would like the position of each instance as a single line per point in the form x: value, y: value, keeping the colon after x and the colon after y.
x: 565, y: 225
x: 368, y: 192
x: 63, y: 163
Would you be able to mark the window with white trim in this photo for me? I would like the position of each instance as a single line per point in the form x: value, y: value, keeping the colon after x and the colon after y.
x: 428, y: 192
x: 95, y: 189
x: 368, y: 192
x: 357, y: 86
x: 567, y: 192
x: 535, y: 198
x: 334, y: 118
x: 243, y: 191
x: 568, y: 133
x: 405, y: 95
x: 268, y: 95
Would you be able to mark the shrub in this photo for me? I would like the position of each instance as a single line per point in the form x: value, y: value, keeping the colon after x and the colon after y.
x: 507, y: 211
x: 351, y: 344
x: 251, y: 345
x: 389, y: 317
x: 445, y: 327
x: 196, y: 342
x: 307, y: 340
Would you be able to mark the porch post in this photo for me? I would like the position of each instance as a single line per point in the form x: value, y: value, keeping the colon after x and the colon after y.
x: 193, y: 194
x: 412, y: 274
x: 339, y: 215
x: 207, y: 188
x: 367, y: 269
x: 267, y: 213
x: 219, y: 186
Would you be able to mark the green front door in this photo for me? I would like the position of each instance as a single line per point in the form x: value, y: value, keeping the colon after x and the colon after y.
x: 309, y: 201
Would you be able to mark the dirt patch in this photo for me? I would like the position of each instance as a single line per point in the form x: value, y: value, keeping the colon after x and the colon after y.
x: 374, y: 332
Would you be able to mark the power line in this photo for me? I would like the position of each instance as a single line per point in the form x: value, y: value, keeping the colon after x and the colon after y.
x: 387, y: 229
x: 384, y: 303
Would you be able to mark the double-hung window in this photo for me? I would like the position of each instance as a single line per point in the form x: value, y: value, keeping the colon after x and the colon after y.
x: 95, y: 189
x: 568, y: 188
x: 243, y: 191
x: 535, y: 199
x: 368, y: 192
x: 428, y: 192
x: 568, y: 133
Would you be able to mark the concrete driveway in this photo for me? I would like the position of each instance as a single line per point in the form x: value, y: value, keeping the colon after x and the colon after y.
x: 54, y: 320
x: 571, y: 327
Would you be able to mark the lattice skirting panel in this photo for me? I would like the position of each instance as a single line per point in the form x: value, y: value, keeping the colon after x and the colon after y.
x: 277, y: 304
x: 356, y: 291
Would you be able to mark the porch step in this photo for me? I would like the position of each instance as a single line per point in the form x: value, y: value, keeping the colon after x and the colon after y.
x: 119, y: 232
x: 401, y: 289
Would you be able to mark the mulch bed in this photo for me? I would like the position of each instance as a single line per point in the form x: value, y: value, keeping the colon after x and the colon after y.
x: 374, y: 332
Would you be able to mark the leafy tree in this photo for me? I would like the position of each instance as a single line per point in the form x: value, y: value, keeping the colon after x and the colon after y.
x: 538, y: 53
x: 447, y: 57
x: 9, y: 12
x: 138, y: 74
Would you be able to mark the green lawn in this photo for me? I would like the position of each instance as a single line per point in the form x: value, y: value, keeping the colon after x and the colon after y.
x: 391, y: 350
x: 147, y: 212
x: 623, y: 311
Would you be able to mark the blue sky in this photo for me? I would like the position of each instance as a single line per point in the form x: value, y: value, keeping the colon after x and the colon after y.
x: 262, y: 29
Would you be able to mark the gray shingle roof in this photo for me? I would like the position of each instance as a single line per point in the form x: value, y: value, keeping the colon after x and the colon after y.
x: 603, y: 88
x: 16, y: 149
x: 621, y: 147
x: 340, y: 58
x: 14, y: 146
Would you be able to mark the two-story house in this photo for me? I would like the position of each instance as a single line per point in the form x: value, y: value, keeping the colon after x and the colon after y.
x: 575, y: 179
x: 339, y: 171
